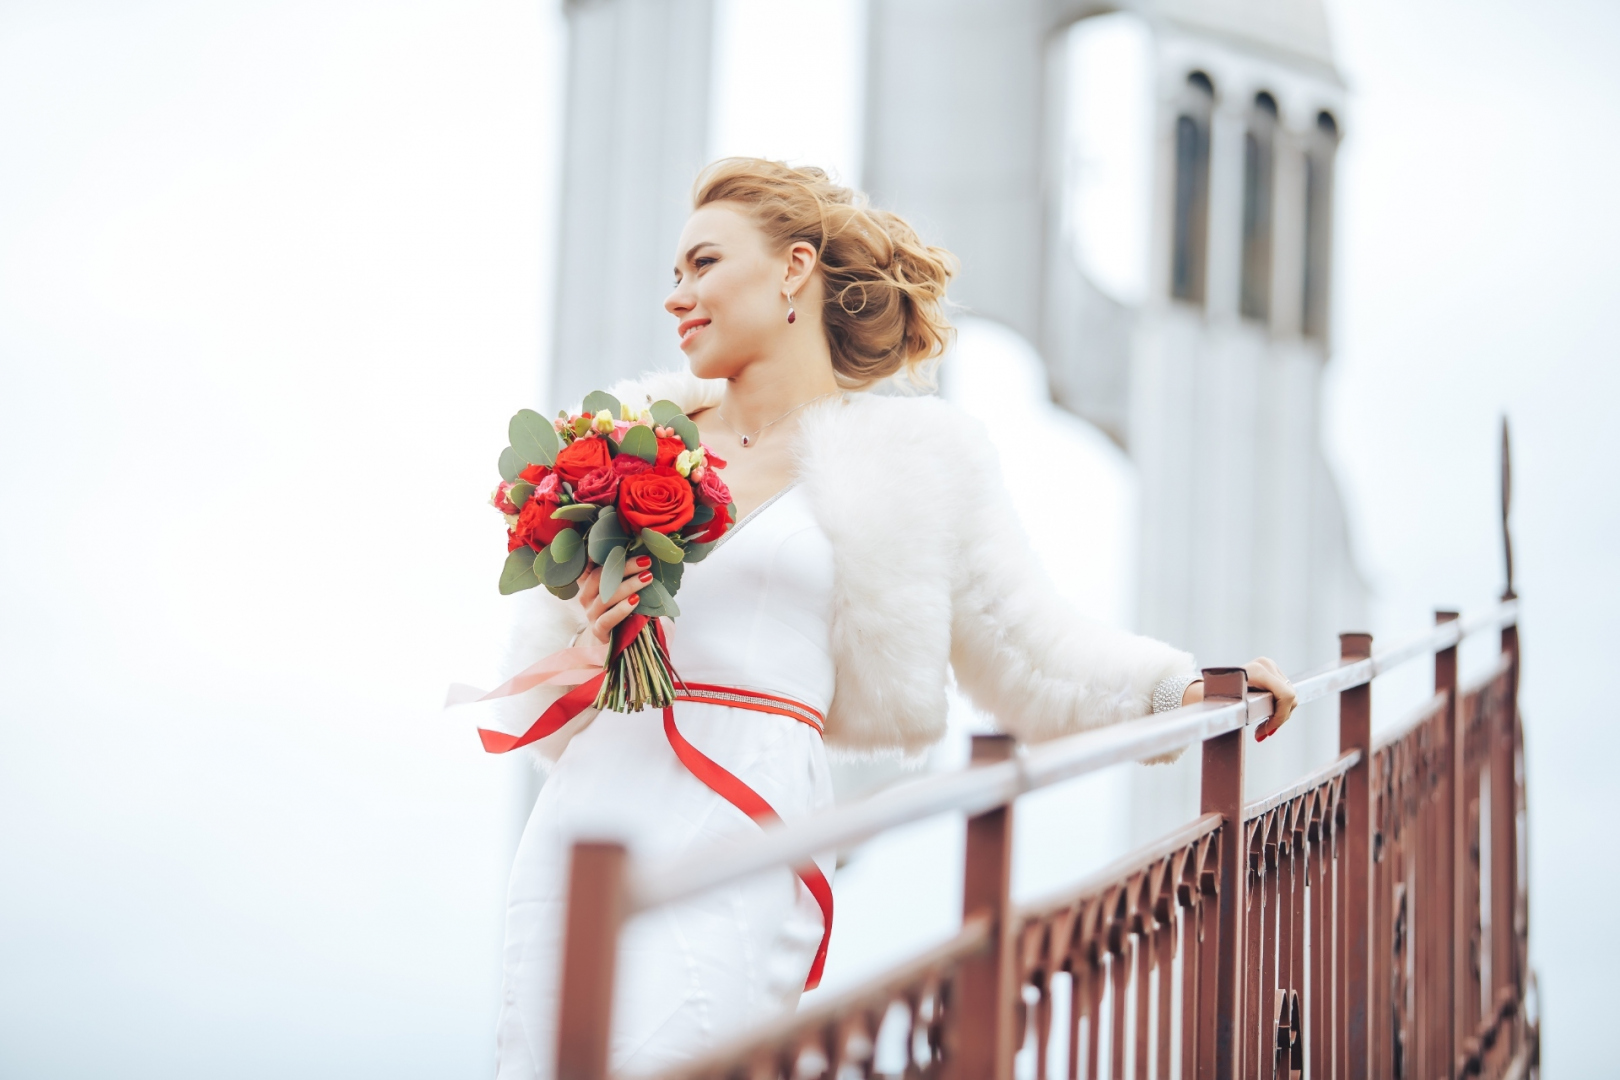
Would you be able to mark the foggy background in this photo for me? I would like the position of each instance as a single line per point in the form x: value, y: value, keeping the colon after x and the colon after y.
x: 274, y: 275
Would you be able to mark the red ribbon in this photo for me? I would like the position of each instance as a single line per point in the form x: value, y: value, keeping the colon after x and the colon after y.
x: 712, y: 774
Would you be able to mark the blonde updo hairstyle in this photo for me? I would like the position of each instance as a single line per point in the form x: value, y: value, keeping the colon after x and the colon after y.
x: 883, y: 288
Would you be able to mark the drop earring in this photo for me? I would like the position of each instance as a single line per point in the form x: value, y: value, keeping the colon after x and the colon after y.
x: 792, y: 315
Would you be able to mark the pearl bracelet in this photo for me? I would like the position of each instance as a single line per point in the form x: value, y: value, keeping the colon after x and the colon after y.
x: 1167, y: 695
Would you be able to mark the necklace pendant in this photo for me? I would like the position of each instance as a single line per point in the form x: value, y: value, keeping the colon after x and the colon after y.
x: 745, y: 440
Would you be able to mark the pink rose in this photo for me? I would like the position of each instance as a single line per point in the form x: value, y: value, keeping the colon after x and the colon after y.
x: 629, y: 465
x: 712, y: 490
x: 502, y: 499
x: 713, y: 458
x: 599, y: 486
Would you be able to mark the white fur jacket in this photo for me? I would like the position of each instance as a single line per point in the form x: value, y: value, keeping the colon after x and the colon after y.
x: 888, y: 478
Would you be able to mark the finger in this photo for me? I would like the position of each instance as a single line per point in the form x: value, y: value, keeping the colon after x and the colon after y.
x: 631, y: 578
x: 589, y: 584
x: 613, y: 617
x: 631, y: 585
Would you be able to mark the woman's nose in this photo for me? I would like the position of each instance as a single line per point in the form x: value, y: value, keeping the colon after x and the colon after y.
x: 677, y: 301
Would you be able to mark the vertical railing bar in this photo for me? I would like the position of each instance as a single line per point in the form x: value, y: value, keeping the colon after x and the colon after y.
x: 1355, y: 733
x: 986, y: 984
x: 1221, y: 792
x: 1506, y: 988
x: 590, y: 952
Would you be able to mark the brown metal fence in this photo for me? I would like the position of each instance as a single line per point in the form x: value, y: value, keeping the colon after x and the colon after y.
x: 1367, y: 921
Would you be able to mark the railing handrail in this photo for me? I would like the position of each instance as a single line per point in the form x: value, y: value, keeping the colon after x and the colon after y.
x: 978, y: 788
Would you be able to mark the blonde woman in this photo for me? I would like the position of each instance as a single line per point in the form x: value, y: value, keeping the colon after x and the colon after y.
x: 875, y: 549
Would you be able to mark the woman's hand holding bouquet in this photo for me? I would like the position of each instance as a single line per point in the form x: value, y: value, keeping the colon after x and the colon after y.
x: 610, y: 505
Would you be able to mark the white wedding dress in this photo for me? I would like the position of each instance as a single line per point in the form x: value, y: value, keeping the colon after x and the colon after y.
x: 755, y: 615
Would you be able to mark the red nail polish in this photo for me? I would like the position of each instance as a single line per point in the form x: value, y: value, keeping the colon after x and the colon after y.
x: 646, y: 577
x: 644, y: 562
x: 633, y: 599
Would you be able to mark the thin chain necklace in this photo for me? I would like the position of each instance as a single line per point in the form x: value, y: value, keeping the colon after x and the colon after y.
x: 753, y: 436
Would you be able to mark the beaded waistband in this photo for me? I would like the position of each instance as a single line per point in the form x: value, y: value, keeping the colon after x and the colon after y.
x: 756, y: 700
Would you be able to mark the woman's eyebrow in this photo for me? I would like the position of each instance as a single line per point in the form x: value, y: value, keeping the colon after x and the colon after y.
x: 692, y: 251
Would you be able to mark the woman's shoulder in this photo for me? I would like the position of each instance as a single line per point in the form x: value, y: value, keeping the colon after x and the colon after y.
x: 917, y: 423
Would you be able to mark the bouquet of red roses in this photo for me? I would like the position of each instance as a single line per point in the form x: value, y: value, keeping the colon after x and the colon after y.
x: 593, y: 488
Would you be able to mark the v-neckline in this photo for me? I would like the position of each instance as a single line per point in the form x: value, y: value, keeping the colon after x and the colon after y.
x: 751, y: 515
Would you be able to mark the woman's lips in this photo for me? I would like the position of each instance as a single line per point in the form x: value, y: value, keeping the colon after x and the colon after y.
x: 690, y: 329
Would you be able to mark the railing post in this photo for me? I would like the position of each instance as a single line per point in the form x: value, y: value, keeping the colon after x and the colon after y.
x: 987, y: 994
x: 590, y: 950
x: 1221, y: 792
x: 1506, y: 989
x: 1450, y: 868
x: 1355, y: 733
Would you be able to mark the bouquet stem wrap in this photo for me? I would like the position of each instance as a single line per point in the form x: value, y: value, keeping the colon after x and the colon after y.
x: 638, y: 673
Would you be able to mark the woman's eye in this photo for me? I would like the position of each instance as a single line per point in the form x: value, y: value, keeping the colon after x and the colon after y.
x: 700, y: 263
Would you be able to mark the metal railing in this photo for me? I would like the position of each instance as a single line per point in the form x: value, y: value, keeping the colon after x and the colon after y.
x: 1366, y: 921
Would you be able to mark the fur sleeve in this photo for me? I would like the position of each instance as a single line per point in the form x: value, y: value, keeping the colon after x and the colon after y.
x: 1023, y: 654
x: 542, y: 625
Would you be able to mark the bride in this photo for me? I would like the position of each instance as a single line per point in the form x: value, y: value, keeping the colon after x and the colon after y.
x: 875, y: 554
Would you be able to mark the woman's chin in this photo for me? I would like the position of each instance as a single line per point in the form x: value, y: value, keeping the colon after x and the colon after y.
x: 705, y: 366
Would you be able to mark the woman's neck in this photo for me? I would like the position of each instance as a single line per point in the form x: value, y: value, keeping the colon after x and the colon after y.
x: 772, y: 386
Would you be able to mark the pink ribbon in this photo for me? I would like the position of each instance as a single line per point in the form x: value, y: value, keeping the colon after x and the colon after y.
x: 569, y: 667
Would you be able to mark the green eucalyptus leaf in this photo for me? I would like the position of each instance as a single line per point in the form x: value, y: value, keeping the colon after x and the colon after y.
x: 519, y: 493
x: 662, y: 547
x: 518, y: 573
x: 612, y: 572
x: 597, y: 400
x: 702, y: 514
x: 687, y: 430
x: 606, y: 534
x: 665, y: 411
x: 698, y: 552
x: 655, y: 601
x: 567, y: 592
x: 533, y: 438
x: 557, y: 573
x: 641, y: 442
x: 575, y: 512
x: 564, y: 544
x: 668, y: 574
x: 511, y: 464
x: 582, y: 425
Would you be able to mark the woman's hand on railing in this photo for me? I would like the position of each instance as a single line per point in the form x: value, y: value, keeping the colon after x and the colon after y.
x: 602, y: 616
x: 1263, y: 674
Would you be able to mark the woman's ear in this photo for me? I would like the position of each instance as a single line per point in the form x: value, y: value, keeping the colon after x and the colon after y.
x: 802, y: 260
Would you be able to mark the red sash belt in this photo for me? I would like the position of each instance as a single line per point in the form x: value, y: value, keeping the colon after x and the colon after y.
x: 711, y: 773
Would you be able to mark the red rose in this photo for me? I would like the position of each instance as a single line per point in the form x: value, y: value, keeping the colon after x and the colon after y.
x: 668, y: 451
x: 600, y: 486
x: 629, y: 465
x: 536, y: 527
x: 580, y: 457
x: 534, y: 473
x: 713, y: 490
x: 659, y: 499
x: 715, y: 527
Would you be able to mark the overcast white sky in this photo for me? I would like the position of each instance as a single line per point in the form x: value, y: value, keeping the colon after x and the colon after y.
x: 271, y: 274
